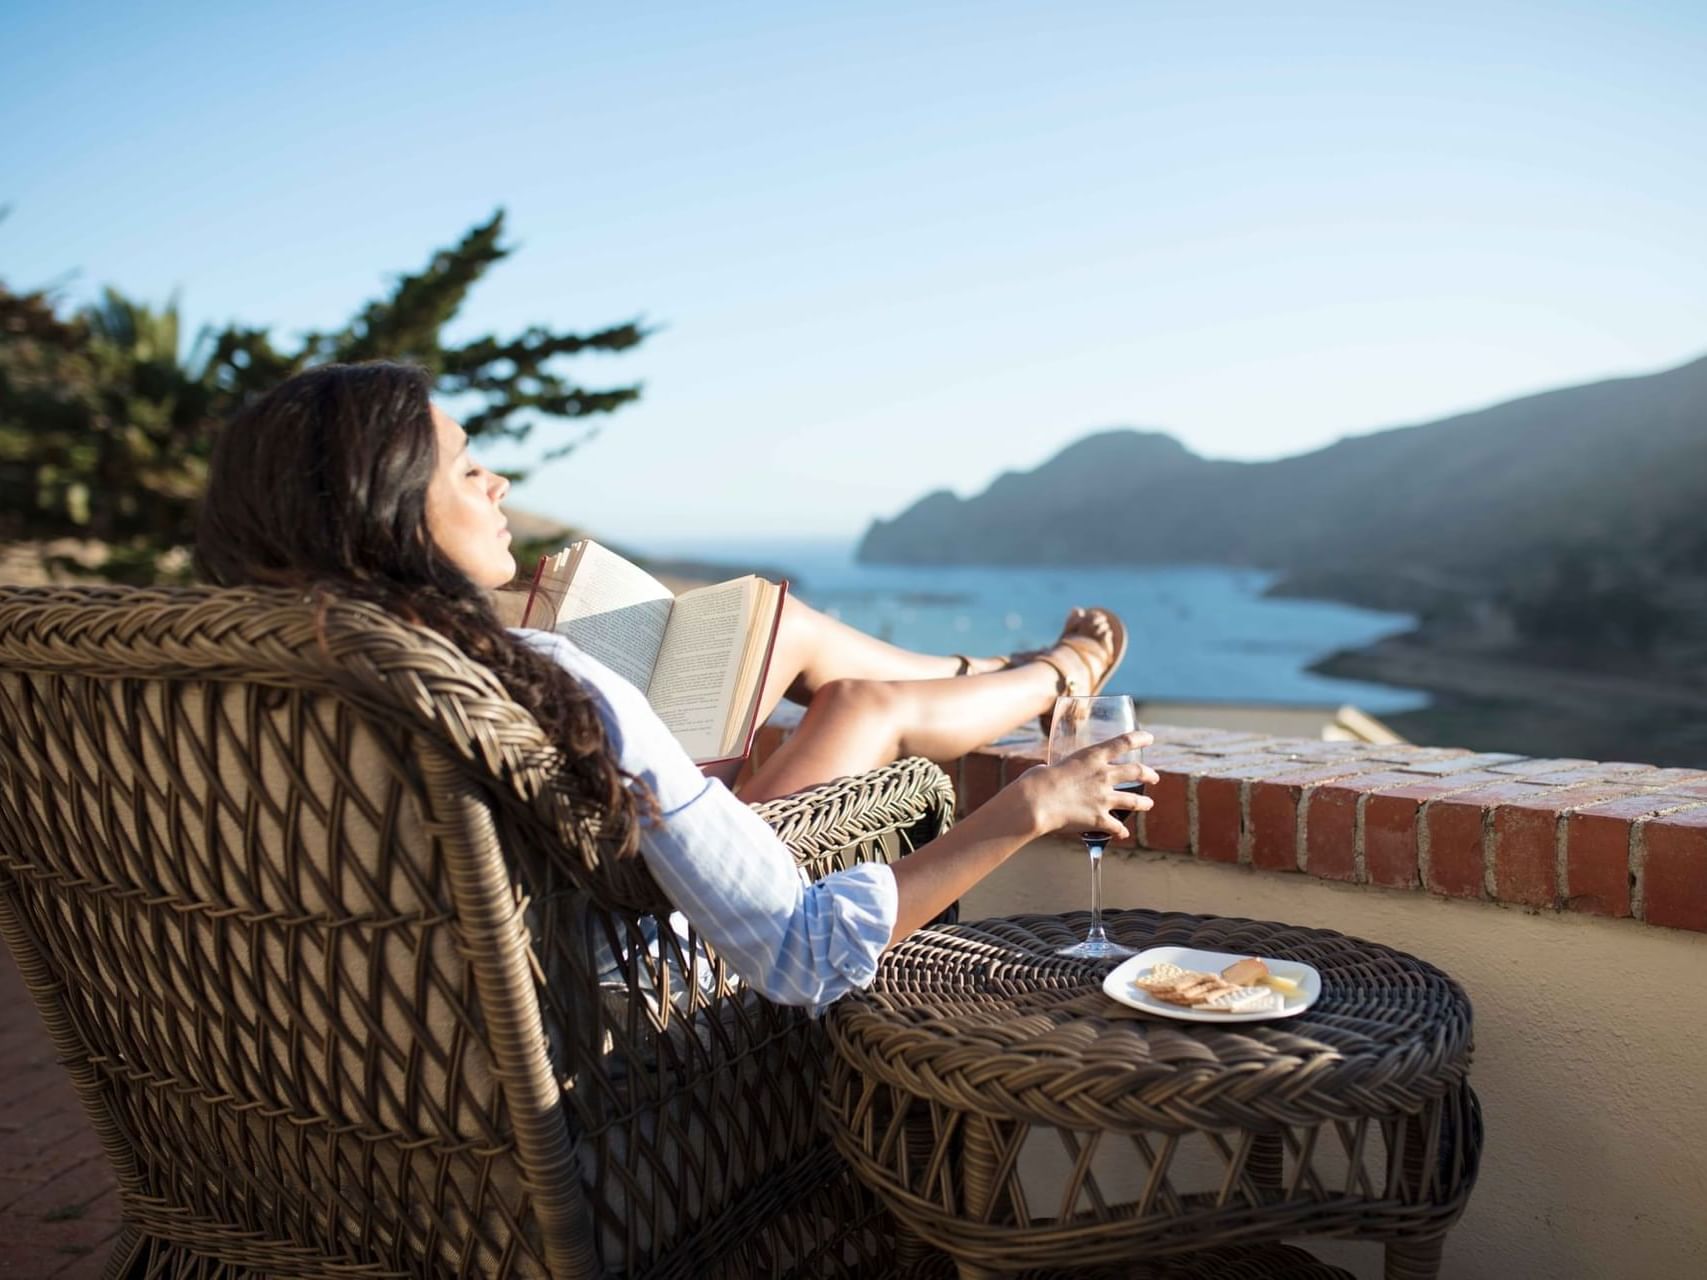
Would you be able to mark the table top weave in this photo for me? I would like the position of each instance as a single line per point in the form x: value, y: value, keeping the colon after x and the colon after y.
x: 985, y: 1018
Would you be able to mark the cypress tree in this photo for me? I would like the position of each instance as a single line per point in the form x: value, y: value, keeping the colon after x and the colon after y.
x: 106, y: 423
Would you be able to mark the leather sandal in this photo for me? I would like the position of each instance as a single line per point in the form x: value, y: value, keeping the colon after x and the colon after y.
x: 1099, y: 661
x: 1091, y: 653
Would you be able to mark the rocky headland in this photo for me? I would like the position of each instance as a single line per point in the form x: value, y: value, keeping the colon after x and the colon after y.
x: 1553, y: 548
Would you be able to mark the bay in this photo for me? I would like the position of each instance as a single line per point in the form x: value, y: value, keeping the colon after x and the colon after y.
x: 1198, y: 633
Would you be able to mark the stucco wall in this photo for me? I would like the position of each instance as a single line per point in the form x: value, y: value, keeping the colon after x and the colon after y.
x: 1591, y: 1055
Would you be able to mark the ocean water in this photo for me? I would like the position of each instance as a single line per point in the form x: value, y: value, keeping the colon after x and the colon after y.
x: 1194, y: 632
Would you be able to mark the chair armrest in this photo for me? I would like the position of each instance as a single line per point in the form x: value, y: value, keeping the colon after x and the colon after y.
x: 879, y: 815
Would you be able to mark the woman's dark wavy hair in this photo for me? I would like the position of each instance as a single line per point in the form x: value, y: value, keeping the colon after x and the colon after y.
x: 321, y: 485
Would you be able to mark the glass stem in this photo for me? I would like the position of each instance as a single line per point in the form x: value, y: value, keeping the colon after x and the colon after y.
x: 1096, y: 847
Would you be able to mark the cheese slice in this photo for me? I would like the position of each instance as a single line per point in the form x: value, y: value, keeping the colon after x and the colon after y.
x: 1286, y: 986
x: 1246, y: 1000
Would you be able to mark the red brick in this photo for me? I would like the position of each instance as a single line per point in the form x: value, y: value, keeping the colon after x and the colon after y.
x: 13, y: 1186
x: 1392, y: 819
x: 1243, y: 765
x: 1330, y: 832
x: 32, y: 1088
x: 1674, y: 875
x: 1188, y: 736
x: 1526, y: 855
x: 980, y: 779
x: 1274, y: 826
x: 1597, y: 850
x: 1454, y: 848
x: 1168, y: 825
x: 1526, y: 838
x: 91, y: 1266
x: 1456, y: 851
x: 1597, y: 863
x: 46, y: 1143
x: 1586, y: 774
x: 1219, y: 821
x: 1454, y: 825
x: 1313, y: 773
x: 1670, y: 778
x: 1482, y: 760
x: 1390, y: 841
x: 1314, y: 749
x: 1421, y: 787
x: 71, y: 1191
x: 1274, y: 805
x: 1540, y: 767
x: 106, y: 1207
x: 1411, y: 755
x: 35, y: 1261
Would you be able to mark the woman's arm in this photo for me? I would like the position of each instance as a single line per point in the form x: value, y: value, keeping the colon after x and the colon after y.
x: 737, y: 883
x: 1077, y: 794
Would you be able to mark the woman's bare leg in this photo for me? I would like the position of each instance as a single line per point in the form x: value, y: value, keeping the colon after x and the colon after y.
x: 854, y: 725
x: 870, y: 702
x: 812, y: 649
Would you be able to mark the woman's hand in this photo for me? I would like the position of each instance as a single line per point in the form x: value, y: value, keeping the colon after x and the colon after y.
x: 1078, y: 794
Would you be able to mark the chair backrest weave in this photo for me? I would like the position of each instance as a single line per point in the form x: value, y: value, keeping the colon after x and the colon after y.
x: 251, y: 862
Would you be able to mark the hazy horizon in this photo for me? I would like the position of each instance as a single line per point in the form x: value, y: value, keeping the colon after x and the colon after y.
x: 901, y: 249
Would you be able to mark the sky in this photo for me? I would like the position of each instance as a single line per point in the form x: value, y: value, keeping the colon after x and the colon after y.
x: 889, y: 248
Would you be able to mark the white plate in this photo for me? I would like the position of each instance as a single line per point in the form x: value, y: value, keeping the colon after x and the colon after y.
x: 1118, y: 984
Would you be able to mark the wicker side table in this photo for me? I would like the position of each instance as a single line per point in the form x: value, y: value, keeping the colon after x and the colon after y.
x: 1012, y: 1115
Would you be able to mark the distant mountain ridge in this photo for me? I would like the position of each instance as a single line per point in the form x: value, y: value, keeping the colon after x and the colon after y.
x: 1619, y: 462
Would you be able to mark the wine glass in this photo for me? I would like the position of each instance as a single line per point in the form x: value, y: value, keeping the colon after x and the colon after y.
x: 1082, y: 722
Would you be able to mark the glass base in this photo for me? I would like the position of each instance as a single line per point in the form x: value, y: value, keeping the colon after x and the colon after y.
x: 1096, y: 949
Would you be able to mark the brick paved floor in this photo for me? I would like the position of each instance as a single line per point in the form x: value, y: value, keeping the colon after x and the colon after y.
x: 59, y: 1209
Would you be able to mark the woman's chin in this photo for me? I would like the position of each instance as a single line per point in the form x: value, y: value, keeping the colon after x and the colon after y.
x: 501, y: 573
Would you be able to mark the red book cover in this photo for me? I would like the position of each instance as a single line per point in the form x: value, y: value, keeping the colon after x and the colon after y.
x: 533, y: 592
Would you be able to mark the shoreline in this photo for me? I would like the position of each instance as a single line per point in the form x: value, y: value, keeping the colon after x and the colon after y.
x: 1494, y: 702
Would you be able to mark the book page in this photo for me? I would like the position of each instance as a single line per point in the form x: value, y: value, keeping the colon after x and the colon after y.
x: 693, y: 684
x: 766, y: 604
x: 617, y: 612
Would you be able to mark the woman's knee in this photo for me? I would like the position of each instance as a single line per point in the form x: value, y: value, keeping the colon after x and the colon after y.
x: 800, y: 621
x: 877, y: 701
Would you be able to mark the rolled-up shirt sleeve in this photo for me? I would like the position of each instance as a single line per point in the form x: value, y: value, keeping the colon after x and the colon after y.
x: 797, y: 941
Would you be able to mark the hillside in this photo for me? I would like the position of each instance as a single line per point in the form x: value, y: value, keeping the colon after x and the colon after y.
x: 1610, y: 463
x: 1553, y: 547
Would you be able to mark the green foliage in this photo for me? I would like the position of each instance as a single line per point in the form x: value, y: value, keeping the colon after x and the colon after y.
x: 106, y: 423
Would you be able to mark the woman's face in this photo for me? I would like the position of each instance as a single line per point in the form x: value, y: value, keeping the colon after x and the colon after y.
x: 464, y: 515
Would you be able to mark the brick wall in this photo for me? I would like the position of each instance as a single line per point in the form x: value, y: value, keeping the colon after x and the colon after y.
x: 1623, y: 840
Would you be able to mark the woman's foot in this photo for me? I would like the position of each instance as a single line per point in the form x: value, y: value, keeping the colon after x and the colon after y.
x: 1091, y: 645
x: 1097, y: 638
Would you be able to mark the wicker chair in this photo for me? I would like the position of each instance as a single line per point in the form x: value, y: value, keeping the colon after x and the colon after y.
x: 321, y: 946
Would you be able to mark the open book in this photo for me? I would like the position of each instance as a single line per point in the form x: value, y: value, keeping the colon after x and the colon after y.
x: 700, y: 657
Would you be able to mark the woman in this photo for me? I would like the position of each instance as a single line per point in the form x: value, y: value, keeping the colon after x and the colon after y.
x: 346, y: 479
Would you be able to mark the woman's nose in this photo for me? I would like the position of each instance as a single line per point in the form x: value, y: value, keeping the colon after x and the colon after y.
x: 500, y: 487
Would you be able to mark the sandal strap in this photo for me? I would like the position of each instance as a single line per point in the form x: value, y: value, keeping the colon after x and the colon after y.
x: 965, y: 662
x: 1063, y: 681
x: 1097, y: 659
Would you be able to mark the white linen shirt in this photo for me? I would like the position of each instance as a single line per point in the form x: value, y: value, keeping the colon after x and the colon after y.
x: 795, y: 940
